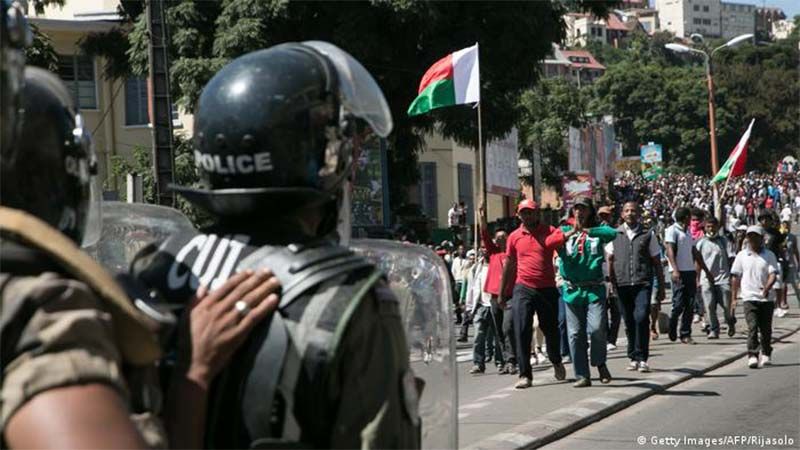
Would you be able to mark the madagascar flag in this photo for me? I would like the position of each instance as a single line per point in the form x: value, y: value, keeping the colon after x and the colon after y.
x: 453, y: 80
x: 734, y: 166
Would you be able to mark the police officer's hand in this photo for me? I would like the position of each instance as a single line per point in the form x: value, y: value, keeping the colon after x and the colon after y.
x: 216, y: 327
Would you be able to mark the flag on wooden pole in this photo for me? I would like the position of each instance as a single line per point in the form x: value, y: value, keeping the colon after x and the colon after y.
x: 453, y: 80
x: 736, y: 162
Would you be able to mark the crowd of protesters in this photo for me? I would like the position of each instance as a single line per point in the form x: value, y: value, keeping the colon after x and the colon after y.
x: 557, y: 294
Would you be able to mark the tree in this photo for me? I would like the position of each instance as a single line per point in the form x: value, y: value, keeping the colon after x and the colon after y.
x: 397, y: 40
x: 546, y: 113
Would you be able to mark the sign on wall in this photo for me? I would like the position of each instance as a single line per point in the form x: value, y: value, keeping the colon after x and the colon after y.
x: 502, y: 165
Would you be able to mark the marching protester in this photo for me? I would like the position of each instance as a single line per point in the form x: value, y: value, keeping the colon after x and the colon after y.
x: 633, y: 261
x: 754, y: 272
x: 582, y: 258
x: 713, y: 249
x: 501, y: 314
x: 530, y: 256
x: 683, y: 257
x: 605, y: 215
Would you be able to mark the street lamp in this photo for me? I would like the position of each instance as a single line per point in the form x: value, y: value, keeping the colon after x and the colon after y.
x: 680, y: 48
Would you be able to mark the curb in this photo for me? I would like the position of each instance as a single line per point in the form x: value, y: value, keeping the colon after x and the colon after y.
x: 561, y: 422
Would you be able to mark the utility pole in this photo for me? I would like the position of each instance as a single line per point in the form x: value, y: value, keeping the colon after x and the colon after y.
x: 160, y: 104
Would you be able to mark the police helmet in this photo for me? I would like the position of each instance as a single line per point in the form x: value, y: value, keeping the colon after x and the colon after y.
x: 14, y: 36
x: 52, y: 170
x: 277, y: 127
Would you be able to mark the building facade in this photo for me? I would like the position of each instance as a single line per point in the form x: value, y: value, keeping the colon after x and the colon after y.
x: 577, y: 66
x: 583, y: 28
x: 115, y: 111
x: 781, y: 29
x: 765, y: 17
x: 737, y: 19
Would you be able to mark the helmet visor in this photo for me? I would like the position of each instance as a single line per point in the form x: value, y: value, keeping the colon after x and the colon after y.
x: 94, y: 217
x: 361, y: 95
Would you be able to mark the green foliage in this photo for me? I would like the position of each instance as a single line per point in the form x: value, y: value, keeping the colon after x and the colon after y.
x: 112, y: 46
x: 185, y: 175
x: 41, y: 52
x: 547, y: 112
x: 397, y: 40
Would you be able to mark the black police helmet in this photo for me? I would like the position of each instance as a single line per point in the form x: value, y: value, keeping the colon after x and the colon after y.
x: 51, y: 174
x: 274, y: 129
x: 14, y: 36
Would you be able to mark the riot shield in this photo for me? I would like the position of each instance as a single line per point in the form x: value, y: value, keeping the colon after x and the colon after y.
x: 419, y: 279
x: 128, y: 227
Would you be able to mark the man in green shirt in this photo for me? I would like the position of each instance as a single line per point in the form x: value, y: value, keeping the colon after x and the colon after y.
x: 584, y: 292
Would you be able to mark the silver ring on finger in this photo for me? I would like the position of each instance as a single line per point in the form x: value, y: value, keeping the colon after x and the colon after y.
x: 242, y: 308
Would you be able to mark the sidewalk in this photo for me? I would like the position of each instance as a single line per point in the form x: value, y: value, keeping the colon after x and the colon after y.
x: 493, y: 415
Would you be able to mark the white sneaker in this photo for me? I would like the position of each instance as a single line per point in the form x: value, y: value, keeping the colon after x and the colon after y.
x: 633, y: 366
x: 752, y: 362
x: 541, y: 356
x: 781, y: 312
x: 765, y: 361
x: 643, y: 367
x: 610, y: 346
x: 534, y: 360
x: 696, y: 319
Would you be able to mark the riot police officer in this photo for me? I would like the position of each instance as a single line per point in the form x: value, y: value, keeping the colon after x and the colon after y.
x: 276, y: 135
x: 72, y: 341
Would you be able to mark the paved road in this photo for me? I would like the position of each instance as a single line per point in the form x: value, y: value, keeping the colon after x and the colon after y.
x: 730, y: 401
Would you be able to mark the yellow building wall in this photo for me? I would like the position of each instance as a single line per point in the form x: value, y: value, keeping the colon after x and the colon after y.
x: 447, y: 155
x: 112, y: 138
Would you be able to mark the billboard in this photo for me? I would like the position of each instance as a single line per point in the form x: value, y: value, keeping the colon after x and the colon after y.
x: 502, y: 166
x: 370, y: 185
x: 652, y: 161
x: 575, y: 184
x: 593, y: 148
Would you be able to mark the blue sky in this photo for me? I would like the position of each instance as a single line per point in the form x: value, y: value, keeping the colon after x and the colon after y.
x: 790, y: 7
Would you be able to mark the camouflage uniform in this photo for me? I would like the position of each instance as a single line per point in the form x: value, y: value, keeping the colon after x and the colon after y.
x: 57, y: 331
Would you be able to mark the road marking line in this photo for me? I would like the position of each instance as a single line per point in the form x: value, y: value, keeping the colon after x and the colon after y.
x: 602, y: 400
x: 476, y: 405
x: 515, y: 438
x: 494, y: 396
x: 578, y: 411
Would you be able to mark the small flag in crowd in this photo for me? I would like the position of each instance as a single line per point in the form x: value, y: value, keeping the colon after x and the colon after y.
x: 453, y: 80
x: 734, y: 166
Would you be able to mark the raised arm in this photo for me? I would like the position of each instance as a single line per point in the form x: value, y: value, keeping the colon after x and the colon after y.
x: 491, y: 247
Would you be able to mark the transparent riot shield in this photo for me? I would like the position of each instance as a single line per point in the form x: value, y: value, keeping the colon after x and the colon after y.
x: 419, y: 279
x: 128, y: 227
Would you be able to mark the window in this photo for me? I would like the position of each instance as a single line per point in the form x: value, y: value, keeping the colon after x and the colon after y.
x: 427, y: 189
x: 697, y: 21
x: 77, y: 73
x: 705, y: 8
x: 706, y: 21
x: 136, y: 113
x: 136, y: 102
x: 697, y: 7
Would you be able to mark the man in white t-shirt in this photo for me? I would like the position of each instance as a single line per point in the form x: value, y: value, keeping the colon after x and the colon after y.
x: 754, y: 271
x: 682, y: 256
x: 786, y: 213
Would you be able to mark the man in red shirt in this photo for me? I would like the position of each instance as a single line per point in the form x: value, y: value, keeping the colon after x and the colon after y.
x: 529, y: 255
x: 502, y: 318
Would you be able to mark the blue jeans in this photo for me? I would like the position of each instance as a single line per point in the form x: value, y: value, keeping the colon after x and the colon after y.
x: 591, y: 319
x: 635, y: 301
x: 484, y: 336
x: 682, y: 303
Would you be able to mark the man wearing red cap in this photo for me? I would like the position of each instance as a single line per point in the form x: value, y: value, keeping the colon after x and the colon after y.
x: 529, y: 255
